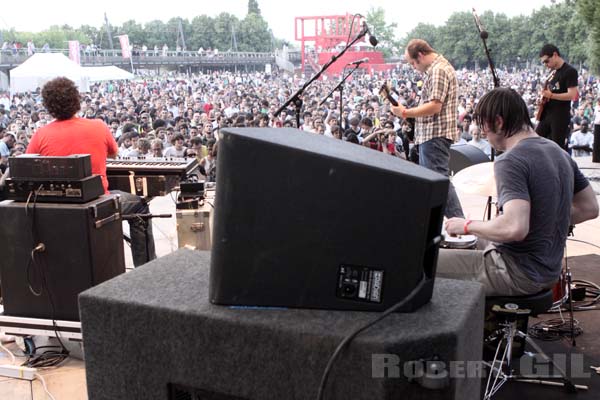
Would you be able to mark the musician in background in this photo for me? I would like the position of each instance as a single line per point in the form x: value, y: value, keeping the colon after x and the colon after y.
x: 436, y: 115
x: 558, y: 93
x: 69, y: 134
x: 540, y: 193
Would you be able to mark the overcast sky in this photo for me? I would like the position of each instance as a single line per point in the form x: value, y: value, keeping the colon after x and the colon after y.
x: 34, y: 16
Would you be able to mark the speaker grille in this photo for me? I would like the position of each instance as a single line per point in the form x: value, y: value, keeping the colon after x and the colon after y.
x: 181, y: 392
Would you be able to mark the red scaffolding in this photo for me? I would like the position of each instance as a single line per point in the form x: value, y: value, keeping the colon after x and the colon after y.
x: 328, y: 33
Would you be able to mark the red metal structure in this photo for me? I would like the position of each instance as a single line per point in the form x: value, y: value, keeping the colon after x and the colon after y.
x: 330, y: 33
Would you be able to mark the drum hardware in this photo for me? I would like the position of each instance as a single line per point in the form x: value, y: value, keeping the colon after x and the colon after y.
x: 458, y: 242
x: 464, y: 242
x: 476, y: 179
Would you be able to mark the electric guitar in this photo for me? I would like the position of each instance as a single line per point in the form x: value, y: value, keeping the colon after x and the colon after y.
x: 385, y: 91
x: 543, y: 100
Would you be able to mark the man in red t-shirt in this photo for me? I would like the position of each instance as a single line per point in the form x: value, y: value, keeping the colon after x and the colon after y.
x: 69, y: 134
x: 76, y: 136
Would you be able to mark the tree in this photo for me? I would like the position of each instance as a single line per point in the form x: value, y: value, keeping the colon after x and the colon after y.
x: 202, y: 32
x: 385, y: 32
x: 514, y: 40
x: 253, y: 34
x: 134, y: 31
x: 253, y: 7
x: 222, y: 30
x: 155, y: 32
x: 590, y: 12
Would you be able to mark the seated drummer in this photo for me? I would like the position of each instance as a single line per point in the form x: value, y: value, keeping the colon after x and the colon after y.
x: 541, y: 192
x: 69, y: 134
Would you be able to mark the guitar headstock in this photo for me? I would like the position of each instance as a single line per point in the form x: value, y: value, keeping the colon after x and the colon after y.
x: 385, y: 92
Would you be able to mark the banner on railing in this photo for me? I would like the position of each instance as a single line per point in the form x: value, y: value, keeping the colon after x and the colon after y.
x: 124, y: 40
x: 74, y: 51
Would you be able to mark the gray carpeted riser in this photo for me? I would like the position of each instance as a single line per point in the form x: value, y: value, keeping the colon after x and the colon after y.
x: 155, y: 326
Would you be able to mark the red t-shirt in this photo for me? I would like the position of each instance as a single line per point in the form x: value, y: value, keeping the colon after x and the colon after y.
x: 76, y: 136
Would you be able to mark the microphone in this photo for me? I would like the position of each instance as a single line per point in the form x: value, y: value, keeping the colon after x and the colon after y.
x: 358, y: 62
x: 482, y: 32
x: 372, y: 39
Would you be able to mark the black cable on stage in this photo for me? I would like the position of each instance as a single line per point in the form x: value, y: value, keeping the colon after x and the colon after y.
x: 555, y: 329
x: 48, y: 358
x: 346, y: 341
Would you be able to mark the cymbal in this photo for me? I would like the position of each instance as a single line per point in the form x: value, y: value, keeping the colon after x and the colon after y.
x: 476, y: 179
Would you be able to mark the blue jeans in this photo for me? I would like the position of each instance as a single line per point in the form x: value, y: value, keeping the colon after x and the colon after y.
x: 140, y: 230
x: 434, y: 154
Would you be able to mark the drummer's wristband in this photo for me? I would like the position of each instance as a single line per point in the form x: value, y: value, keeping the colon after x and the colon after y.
x: 466, y: 226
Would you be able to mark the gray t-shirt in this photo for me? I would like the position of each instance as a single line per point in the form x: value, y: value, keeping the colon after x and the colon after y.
x: 540, y: 172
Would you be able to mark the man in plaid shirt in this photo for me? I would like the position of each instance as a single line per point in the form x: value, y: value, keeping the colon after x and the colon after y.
x: 436, y: 115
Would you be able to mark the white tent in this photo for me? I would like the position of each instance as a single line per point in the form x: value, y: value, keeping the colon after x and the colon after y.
x: 107, y: 73
x: 42, y: 67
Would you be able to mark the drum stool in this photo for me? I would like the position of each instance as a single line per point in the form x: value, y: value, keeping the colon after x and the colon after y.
x: 511, y: 314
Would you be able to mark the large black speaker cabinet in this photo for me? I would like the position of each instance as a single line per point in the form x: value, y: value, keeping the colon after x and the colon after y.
x: 465, y: 155
x: 303, y: 220
x: 83, y: 246
x: 153, y: 334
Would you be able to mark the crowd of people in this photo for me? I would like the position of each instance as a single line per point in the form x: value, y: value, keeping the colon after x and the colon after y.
x: 180, y: 115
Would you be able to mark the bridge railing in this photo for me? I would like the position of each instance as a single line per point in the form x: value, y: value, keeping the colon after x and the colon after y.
x: 18, y: 56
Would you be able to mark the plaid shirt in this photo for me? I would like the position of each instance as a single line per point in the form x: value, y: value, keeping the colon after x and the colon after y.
x: 440, y: 84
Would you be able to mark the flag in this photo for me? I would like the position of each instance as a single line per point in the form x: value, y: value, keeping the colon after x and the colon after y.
x: 74, y: 53
x: 124, y: 40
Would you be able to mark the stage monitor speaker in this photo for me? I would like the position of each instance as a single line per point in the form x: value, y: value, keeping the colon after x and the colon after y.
x: 465, y: 155
x: 82, y: 246
x: 303, y: 220
x: 153, y: 334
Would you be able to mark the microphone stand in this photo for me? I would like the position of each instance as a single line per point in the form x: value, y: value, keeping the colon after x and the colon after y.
x: 484, y: 35
x: 145, y: 218
x: 340, y: 86
x: 296, y: 98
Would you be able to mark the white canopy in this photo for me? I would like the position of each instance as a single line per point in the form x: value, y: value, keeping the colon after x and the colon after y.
x: 107, y: 73
x: 43, y: 67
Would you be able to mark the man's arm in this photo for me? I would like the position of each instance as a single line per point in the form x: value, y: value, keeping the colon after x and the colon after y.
x: 430, y: 108
x: 511, y: 226
x: 585, y: 205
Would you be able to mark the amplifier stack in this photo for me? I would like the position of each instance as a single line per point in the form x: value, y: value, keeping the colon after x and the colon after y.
x: 53, y: 179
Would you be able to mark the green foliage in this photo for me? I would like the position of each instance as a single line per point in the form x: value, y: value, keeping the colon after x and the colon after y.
x: 517, y: 40
x: 385, y: 31
x: 590, y: 13
x: 253, y: 7
x: 253, y: 34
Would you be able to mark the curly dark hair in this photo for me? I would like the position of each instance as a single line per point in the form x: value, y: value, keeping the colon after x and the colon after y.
x: 61, y: 98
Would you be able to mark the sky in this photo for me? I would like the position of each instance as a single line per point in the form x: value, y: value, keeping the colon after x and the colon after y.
x: 34, y: 16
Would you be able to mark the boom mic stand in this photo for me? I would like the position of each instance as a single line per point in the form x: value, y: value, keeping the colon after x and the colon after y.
x: 340, y: 86
x: 145, y: 218
x: 296, y: 98
x: 569, y: 279
x: 483, y: 34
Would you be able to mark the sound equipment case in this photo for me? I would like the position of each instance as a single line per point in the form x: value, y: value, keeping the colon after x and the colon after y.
x: 83, y: 247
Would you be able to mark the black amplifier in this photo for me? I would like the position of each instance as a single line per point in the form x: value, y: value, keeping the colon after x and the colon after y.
x: 54, y: 190
x: 76, y: 166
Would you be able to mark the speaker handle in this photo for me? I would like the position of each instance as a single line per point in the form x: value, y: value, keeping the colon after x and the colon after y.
x: 114, y: 217
x: 430, y: 267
